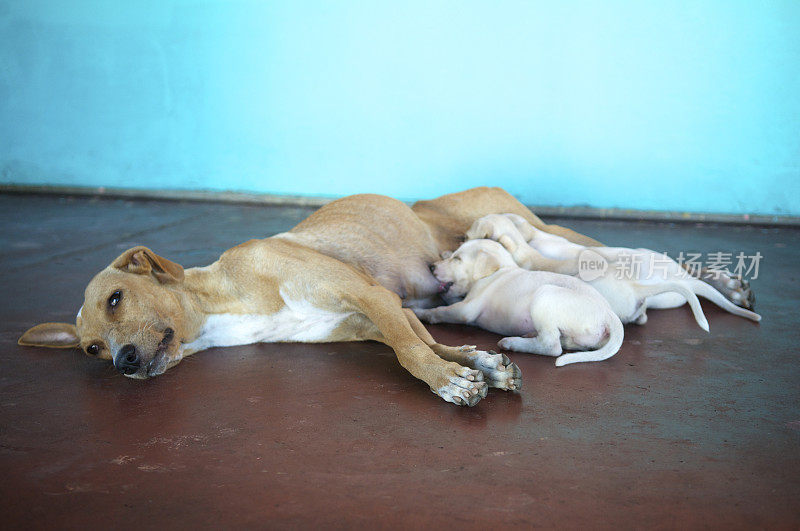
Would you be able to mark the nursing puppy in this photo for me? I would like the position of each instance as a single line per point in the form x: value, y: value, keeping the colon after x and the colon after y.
x: 541, y: 312
x: 657, y: 281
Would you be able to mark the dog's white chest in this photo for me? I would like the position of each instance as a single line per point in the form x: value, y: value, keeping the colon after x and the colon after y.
x: 297, y: 321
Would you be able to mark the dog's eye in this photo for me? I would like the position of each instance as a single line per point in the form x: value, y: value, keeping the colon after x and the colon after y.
x: 114, y: 299
x: 93, y: 350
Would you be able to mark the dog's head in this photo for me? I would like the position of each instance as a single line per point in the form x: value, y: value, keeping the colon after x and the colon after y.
x: 472, y: 261
x: 491, y: 226
x: 133, y: 314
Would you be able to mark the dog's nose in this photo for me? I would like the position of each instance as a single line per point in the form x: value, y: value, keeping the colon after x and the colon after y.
x: 128, y: 361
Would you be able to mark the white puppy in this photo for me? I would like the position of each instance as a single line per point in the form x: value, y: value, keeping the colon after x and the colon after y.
x: 542, y: 312
x: 634, y: 279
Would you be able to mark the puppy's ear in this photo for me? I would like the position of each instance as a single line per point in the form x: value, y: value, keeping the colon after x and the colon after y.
x: 142, y: 261
x: 446, y: 254
x: 485, y: 264
x: 52, y: 335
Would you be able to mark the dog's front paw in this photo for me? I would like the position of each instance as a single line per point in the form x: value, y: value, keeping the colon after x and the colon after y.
x: 507, y: 343
x: 429, y: 316
x: 498, y: 370
x: 464, y: 386
x: 735, y: 289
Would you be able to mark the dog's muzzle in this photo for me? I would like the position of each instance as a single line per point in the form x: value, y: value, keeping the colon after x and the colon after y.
x: 444, y: 286
x: 159, y: 363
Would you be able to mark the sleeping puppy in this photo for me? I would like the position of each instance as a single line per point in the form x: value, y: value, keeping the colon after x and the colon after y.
x: 631, y: 280
x: 541, y: 312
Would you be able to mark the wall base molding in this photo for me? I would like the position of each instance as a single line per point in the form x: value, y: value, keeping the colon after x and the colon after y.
x: 316, y: 201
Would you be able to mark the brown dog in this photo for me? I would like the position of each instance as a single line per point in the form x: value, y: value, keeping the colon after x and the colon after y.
x: 343, y: 274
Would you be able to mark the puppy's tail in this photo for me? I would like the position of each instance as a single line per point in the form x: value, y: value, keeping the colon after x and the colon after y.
x: 708, y: 292
x: 615, y: 335
x: 646, y: 290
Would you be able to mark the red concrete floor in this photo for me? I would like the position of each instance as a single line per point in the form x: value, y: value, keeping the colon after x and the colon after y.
x: 681, y: 429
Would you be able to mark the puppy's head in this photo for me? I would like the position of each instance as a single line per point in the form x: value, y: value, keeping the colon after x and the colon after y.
x: 472, y: 261
x: 491, y: 226
x: 132, y: 314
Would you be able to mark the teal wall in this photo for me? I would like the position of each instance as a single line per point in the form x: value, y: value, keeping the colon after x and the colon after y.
x: 652, y: 104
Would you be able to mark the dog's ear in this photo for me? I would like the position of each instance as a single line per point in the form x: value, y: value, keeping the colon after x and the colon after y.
x: 485, y: 264
x: 142, y: 261
x: 52, y: 335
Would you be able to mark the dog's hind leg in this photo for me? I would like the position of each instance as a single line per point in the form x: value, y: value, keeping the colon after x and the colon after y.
x: 451, y: 381
x: 547, y: 343
x: 498, y: 370
x: 735, y: 289
x: 643, y: 291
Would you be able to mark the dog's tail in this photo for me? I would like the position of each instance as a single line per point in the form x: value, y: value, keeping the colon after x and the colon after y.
x: 708, y: 292
x: 647, y: 290
x: 615, y: 335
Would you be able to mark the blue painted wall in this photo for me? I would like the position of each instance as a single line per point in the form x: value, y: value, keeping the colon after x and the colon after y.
x: 654, y: 104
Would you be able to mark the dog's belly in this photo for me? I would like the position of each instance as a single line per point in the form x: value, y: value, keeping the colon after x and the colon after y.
x: 378, y: 235
x: 513, y: 319
x: 298, y: 321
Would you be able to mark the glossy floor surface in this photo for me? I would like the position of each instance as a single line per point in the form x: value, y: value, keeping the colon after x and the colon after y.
x: 680, y: 429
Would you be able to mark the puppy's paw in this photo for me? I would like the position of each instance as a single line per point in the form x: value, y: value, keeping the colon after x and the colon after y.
x: 735, y: 289
x: 507, y: 343
x: 498, y: 370
x: 464, y: 386
x: 429, y: 316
